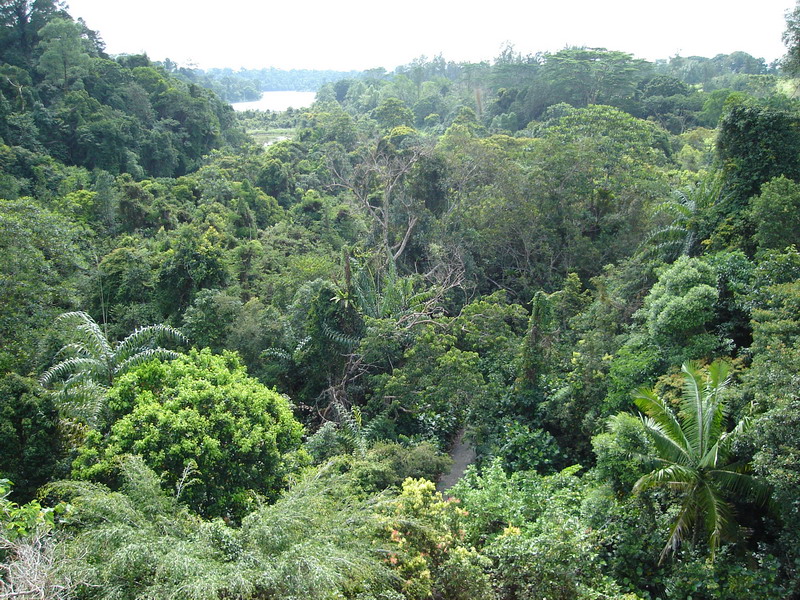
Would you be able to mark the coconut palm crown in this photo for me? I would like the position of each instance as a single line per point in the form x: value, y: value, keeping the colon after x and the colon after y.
x: 693, y: 457
x: 91, y: 362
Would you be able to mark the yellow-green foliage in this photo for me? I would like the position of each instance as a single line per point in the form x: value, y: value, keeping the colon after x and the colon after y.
x: 242, y: 437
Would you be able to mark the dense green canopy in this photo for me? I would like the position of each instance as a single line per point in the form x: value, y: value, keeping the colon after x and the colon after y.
x: 275, y: 325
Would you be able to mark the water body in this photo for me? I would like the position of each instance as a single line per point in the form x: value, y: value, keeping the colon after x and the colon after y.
x: 278, y: 101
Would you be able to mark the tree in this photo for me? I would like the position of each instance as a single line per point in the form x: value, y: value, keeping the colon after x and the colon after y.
x: 693, y: 456
x: 379, y: 184
x: 791, y: 38
x: 199, y: 418
x: 679, y: 310
x: 392, y: 113
x: 584, y: 76
x: 754, y: 145
x: 64, y: 55
x: 93, y: 363
x: 195, y: 259
x: 776, y: 213
x: 29, y: 435
x: 572, y: 200
x: 432, y: 392
x: 19, y: 22
x: 40, y: 269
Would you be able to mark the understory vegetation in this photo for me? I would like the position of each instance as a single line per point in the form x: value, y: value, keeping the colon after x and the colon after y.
x: 235, y: 371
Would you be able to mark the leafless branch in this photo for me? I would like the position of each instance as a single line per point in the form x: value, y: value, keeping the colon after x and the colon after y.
x: 32, y: 570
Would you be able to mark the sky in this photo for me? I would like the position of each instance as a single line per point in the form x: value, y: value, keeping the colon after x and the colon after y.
x: 364, y: 34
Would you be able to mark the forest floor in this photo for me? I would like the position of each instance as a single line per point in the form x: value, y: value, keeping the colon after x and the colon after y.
x: 463, y: 455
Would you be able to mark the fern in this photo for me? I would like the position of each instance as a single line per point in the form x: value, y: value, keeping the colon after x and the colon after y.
x: 92, y: 363
x: 348, y: 341
x: 679, y: 237
x: 351, y: 427
x: 278, y: 353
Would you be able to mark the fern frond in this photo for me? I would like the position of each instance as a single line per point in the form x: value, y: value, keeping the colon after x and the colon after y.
x: 351, y: 427
x: 84, y: 401
x: 74, y: 350
x: 69, y: 367
x: 145, y: 337
x: 89, y: 332
x: 145, y: 356
x: 339, y: 337
x: 300, y: 348
x: 278, y: 353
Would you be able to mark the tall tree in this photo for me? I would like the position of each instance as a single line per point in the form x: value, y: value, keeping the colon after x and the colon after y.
x: 379, y: 184
x: 584, y: 76
x: 64, y: 56
x: 756, y: 144
x: 20, y: 20
x: 791, y: 37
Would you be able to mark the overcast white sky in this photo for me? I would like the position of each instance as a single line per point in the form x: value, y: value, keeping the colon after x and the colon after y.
x: 361, y: 34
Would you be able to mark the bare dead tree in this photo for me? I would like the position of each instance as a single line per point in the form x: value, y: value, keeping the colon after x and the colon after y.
x: 377, y: 184
x: 421, y: 309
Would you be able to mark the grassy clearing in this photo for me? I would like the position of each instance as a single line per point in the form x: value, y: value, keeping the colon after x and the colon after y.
x: 272, y: 135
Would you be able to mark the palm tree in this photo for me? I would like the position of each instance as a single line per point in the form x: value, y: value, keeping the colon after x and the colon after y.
x: 693, y: 457
x: 92, y: 362
x: 684, y: 210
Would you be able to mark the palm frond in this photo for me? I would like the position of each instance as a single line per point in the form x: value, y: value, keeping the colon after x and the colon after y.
x: 89, y: 332
x: 713, y: 456
x: 676, y: 476
x: 726, y: 439
x: 653, y: 406
x: 145, y: 337
x: 740, y: 484
x: 719, y: 376
x: 678, y: 206
x: 668, y: 242
x: 693, y: 407
x: 718, y: 516
x: 681, y: 528
x: 145, y: 356
x: 69, y: 367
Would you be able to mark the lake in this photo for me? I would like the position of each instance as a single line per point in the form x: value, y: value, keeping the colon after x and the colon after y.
x: 278, y: 101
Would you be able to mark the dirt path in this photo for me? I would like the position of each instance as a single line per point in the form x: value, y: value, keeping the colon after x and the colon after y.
x: 463, y: 455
